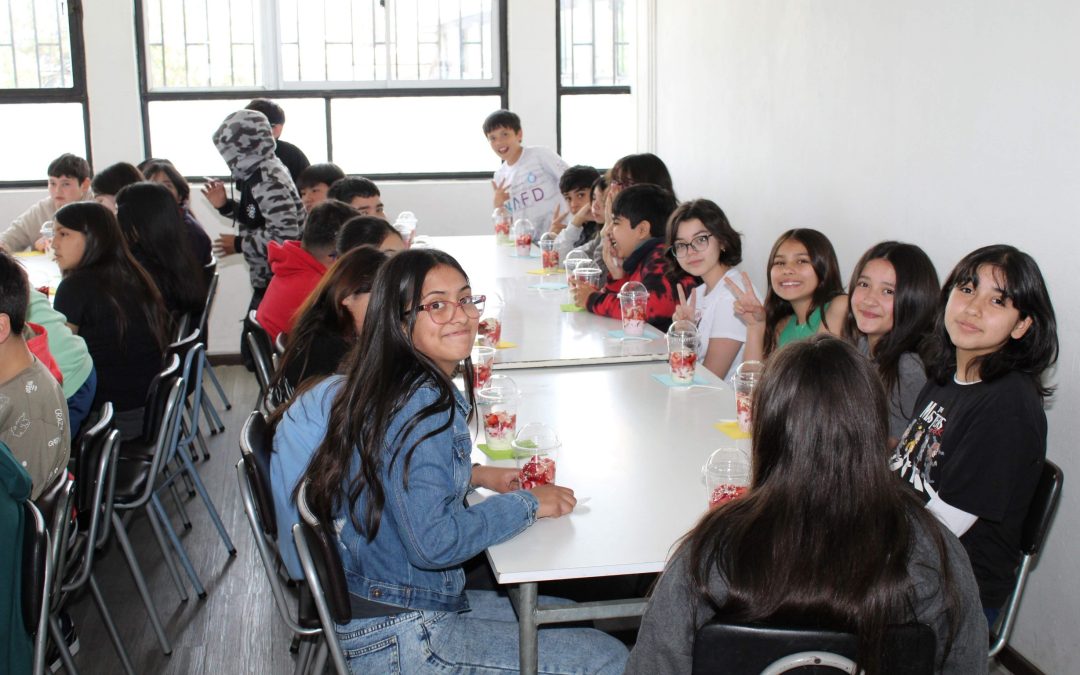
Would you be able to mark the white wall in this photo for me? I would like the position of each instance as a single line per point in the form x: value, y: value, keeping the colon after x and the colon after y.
x: 950, y: 125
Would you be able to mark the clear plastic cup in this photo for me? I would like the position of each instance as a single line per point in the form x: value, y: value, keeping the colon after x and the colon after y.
x: 634, y: 301
x: 727, y: 475
x: 522, y: 232
x: 588, y: 274
x: 498, y: 404
x: 489, y: 331
x: 406, y: 227
x: 549, y: 255
x: 682, y: 341
x: 482, y: 358
x: 536, y: 448
x: 501, y: 218
x: 747, y: 376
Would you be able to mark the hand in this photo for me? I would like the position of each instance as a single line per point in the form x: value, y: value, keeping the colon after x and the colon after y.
x: 41, y: 244
x: 555, y: 501
x: 502, y: 193
x: 747, y: 305
x: 686, y: 311
x: 225, y: 245
x: 610, y: 252
x: 583, y: 215
x: 581, y: 293
x: 214, y: 191
x: 496, y: 479
x: 558, y: 220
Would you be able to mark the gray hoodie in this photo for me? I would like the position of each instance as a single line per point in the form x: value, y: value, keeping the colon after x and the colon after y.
x: 270, y: 208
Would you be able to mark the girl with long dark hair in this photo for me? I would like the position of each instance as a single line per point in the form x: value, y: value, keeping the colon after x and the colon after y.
x: 393, y: 470
x: 825, y: 537
x: 162, y: 171
x: 114, y: 305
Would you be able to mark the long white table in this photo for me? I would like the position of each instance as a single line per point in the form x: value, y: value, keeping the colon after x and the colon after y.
x: 632, y: 451
x: 41, y: 270
x: 532, y: 318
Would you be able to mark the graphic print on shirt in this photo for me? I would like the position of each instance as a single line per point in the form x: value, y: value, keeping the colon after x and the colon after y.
x: 521, y: 199
x: 918, y: 451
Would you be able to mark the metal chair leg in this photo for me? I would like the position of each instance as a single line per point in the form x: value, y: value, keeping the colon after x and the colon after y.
x: 170, y: 565
x: 303, y: 657
x: 156, y: 511
x: 214, y: 516
x: 211, y: 414
x: 217, y: 385
x: 321, y: 654
x: 140, y: 583
x: 110, y: 626
x: 57, y: 636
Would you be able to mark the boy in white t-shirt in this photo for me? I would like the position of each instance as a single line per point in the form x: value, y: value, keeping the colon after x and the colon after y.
x: 527, y: 182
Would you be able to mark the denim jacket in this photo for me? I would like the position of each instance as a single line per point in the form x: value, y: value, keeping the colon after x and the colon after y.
x: 426, y: 531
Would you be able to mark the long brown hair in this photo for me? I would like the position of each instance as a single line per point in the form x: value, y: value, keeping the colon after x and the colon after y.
x: 827, y: 269
x: 825, y: 534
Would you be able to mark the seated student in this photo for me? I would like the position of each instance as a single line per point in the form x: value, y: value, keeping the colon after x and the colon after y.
x: 158, y: 239
x: 162, y: 171
x: 392, y: 468
x: 975, y: 448
x: 824, y: 538
x: 315, y: 182
x: 369, y: 231
x: 71, y: 356
x: 298, y: 266
x: 33, y: 415
x: 291, y: 156
x: 16, y: 648
x: 527, y: 181
x: 640, y: 216
x: 109, y: 181
x: 112, y: 303
x: 69, y: 181
x: 360, y: 193
x: 576, y: 186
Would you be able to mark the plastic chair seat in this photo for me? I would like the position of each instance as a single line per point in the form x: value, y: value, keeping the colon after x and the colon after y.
x: 132, y: 476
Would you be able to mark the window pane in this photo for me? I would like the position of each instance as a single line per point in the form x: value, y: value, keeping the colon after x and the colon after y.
x: 197, y: 43
x: 597, y: 40
x: 27, y: 156
x: 586, y: 142
x: 35, y: 45
x: 413, y: 135
x: 181, y: 131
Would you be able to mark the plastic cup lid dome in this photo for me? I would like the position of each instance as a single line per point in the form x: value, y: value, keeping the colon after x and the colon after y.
x: 535, y: 437
x: 577, y: 254
x: 633, y: 289
x: 548, y: 236
x: 406, y: 217
x: 724, y: 460
x: 499, y: 388
x: 523, y: 225
x: 682, y: 328
x: 588, y: 268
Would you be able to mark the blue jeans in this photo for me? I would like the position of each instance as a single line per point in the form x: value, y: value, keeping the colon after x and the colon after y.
x: 483, y: 641
x: 80, y: 402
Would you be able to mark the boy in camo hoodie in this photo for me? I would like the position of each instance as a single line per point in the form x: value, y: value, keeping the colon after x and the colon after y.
x: 269, y: 208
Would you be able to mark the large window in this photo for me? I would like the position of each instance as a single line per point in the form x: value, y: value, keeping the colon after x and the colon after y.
x: 384, y: 88
x: 597, y: 114
x: 42, y: 86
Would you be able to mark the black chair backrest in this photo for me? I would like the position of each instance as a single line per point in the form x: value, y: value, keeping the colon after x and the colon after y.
x: 324, y: 553
x: 280, y: 343
x: 255, y: 447
x: 739, y: 649
x: 56, y: 496
x: 211, y: 293
x: 262, y: 351
x: 157, y: 396
x: 181, y: 348
x: 1041, y: 512
x: 35, y: 556
x: 91, y: 444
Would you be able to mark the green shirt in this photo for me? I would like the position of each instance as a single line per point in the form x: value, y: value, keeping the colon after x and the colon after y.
x: 795, y: 331
x: 66, y: 347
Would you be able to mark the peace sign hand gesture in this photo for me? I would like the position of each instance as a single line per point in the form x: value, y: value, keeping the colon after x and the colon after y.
x: 747, y: 305
x: 685, y: 311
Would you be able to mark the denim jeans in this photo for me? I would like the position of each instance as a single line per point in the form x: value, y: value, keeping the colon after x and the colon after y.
x: 80, y: 402
x: 483, y: 641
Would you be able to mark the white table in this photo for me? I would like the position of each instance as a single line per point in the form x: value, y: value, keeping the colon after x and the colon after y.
x: 41, y: 270
x: 532, y: 317
x: 632, y: 451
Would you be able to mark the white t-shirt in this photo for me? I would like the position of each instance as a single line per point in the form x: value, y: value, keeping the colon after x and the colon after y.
x: 533, y: 185
x: 718, y: 318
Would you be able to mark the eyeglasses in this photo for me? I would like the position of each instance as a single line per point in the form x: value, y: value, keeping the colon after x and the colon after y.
x: 442, y: 311
x: 620, y: 184
x: 682, y: 249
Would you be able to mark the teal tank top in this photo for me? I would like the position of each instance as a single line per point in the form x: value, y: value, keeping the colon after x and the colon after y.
x: 795, y: 331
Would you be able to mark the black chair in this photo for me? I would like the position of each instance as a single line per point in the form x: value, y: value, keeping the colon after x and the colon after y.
x: 280, y: 343
x: 258, y: 342
x: 56, y: 504
x: 1037, y: 523
x: 738, y: 649
x: 253, y: 474
x: 325, y: 576
x: 216, y: 425
x: 37, y: 579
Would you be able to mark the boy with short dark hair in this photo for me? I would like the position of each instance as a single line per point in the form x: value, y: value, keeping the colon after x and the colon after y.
x: 360, y: 193
x: 315, y: 181
x: 576, y: 186
x: 69, y: 181
x: 298, y: 266
x: 291, y: 156
x: 640, y: 214
x: 33, y: 413
x: 371, y: 231
x: 527, y: 182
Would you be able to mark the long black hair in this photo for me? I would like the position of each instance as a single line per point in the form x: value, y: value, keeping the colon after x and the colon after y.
x: 124, y: 282
x: 1021, y: 282
x: 825, y: 533
x: 914, y: 304
x: 827, y: 269
x: 382, y: 373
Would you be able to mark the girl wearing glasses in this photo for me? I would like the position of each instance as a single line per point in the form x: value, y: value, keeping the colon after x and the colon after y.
x: 392, y: 473
x: 702, y: 243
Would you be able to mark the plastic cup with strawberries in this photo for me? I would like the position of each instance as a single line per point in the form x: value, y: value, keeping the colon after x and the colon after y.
x: 588, y: 273
x: 536, y: 447
x: 747, y: 376
x: 727, y: 475
x: 405, y: 225
x: 501, y: 218
x: 482, y: 359
x: 498, y: 404
x: 523, y: 237
x: 682, y: 341
x: 634, y: 301
x: 549, y: 255
x: 489, y: 330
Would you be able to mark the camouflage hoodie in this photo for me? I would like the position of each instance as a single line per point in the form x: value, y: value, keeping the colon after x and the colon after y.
x: 267, y: 191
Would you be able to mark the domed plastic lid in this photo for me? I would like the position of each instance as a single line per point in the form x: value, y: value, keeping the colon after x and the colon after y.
x: 535, y: 438
x: 728, y: 461
x: 498, y: 389
x: 577, y: 254
x: 548, y: 236
x: 523, y: 226
x: 499, y: 212
x: 406, y: 217
x: 682, y: 329
x: 632, y: 289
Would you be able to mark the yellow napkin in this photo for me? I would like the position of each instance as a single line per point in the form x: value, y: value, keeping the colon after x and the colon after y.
x: 503, y: 344
x: 731, y: 428
x: 543, y: 272
x: 28, y: 254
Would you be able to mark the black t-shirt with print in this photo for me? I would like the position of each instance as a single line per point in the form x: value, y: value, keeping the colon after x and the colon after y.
x: 979, y: 448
